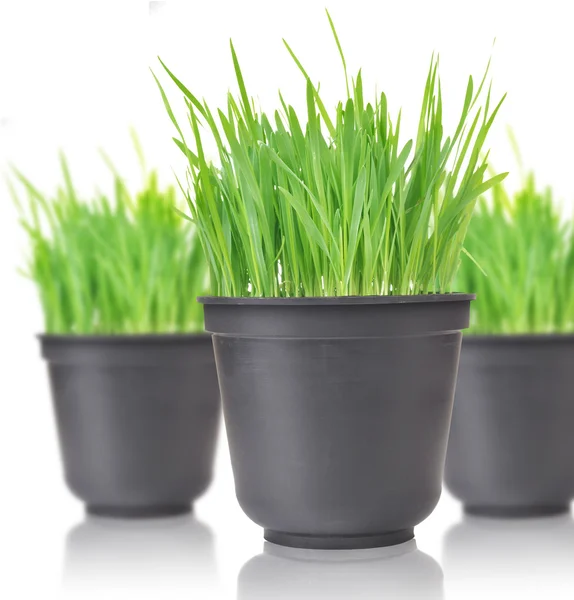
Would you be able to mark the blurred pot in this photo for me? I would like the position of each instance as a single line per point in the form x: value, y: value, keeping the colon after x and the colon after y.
x: 511, y: 447
x: 137, y: 417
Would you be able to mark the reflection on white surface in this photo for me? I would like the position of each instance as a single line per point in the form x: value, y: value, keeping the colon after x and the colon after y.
x: 481, y: 555
x: 287, y: 574
x: 139, y: 556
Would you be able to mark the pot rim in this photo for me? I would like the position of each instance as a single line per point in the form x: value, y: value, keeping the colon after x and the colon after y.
x: 121, y: 338
x: 509, y: 338
x: 336, y: 300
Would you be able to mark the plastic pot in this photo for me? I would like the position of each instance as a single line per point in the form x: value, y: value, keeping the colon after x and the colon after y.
x: 337, y: 411
x: 511, y: 448
x: 137, y: 418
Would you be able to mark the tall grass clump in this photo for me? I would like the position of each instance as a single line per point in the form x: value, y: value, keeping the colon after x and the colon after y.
x: 333, y: 203
x: 525, y: 250
x: 124, y: 264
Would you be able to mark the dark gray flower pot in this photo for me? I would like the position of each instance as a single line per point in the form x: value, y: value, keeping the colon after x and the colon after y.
x: 337, y: 411
x: 137, y: 418
x: 511, y: 448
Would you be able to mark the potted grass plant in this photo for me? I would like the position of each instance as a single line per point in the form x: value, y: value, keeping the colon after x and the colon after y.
x: 511, y: 444
x: 331, y: 247
x: 132, y: 374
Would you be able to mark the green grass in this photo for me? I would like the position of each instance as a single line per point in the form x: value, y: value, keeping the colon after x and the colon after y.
x: 333, y: 204
x: 526, y: 252
x: 121, y: 265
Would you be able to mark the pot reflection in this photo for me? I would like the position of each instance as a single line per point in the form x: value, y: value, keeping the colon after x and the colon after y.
x: 397, y: 572
x: 482, y: 554
x: 143, y: 556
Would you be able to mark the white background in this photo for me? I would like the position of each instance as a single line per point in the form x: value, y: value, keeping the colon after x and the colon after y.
x: 74, y: 75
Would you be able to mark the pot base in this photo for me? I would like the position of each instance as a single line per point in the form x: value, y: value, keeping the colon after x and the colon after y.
x: 139, y: 512
x: 516, y: 512
x: 339, y: 542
